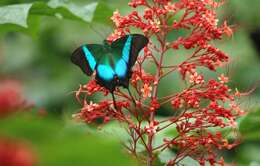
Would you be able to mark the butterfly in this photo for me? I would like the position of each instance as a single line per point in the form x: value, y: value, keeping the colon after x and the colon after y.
x: 113, y: 62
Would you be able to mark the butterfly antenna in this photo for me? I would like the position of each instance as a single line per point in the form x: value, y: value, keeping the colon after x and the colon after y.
x: 114, y: 100
x: 131, y: 96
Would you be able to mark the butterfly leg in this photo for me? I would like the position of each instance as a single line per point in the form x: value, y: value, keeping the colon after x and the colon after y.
x: 114, y: 100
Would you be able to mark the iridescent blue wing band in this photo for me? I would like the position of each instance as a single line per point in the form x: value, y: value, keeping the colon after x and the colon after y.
x: 90, y: 58
x: 105, y: 72
x: 87, y: 56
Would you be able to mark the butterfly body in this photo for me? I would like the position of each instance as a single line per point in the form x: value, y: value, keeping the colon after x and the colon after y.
x: 111, y: 62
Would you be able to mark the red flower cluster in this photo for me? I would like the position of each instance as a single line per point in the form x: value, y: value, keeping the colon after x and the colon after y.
x: 13, y: 154
x: 202, y: 105
x: 94, y: 112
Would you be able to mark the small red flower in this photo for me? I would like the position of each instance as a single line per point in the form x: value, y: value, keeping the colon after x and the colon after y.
x: 195, y: 78
x: 135, y: 3
x: 146, y: 90
x: 155, y: 105
x: 223, y: 79
x: 151, y: 129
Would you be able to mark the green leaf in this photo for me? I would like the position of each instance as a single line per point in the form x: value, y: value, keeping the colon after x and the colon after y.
x: 30, y: 127
x: 248, y: 153
x: 15, y: 14
x: 85, y: 12
x: 16, y: 17
x: 103, y: 14
x: 244, y: 13
x: 249, y: 126
x: 83, y: 150
x: 189, y: 161
x: 165, y: 156
x: 60, y: 144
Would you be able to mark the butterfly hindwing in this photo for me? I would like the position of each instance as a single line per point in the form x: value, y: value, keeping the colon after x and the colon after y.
x: 79, y: 58
x: 105, y: 72
x: 87, y: 56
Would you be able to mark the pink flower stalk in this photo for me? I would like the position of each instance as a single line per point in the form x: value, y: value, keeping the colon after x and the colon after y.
x: 202, y: 105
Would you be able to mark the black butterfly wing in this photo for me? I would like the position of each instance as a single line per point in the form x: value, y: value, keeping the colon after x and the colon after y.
x: 138, y: 43
x: 128, y: 48
x: 87, y: 57
x: 134, y: 43
x: 124, y: 53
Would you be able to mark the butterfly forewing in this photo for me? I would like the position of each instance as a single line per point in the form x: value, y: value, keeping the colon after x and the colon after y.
x: 87, y: 57
x: 128, y: 47
x: 138, y: 43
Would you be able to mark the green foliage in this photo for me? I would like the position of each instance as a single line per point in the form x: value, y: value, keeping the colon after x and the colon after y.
x: 62, y: 144
x: 244, y: 12
x: 15, y: 14
x: 248, y: 154
x: 248, y: 151
x: 42, y: 64
x: 18, y: 17
x: 249, y: 126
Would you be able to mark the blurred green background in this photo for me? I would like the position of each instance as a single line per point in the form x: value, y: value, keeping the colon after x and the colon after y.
x: 36, y: 40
